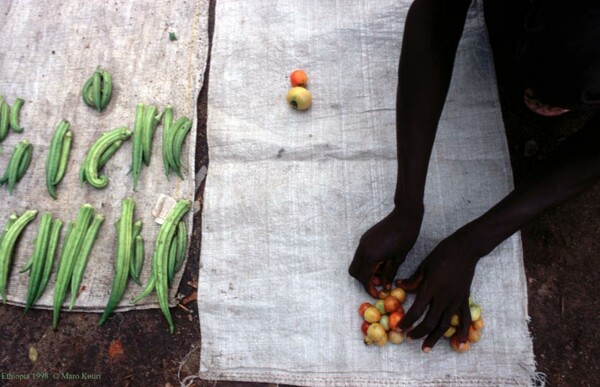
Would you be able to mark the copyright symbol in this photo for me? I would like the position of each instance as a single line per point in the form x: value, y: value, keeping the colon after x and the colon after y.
x: 55, y: 376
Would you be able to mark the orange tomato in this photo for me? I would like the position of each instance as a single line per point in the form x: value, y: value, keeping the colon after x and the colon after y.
x: 474, y: 335
x: 394, y: 319
x: 478, y: 324
x: 298, y: 78
x: 391, y: 304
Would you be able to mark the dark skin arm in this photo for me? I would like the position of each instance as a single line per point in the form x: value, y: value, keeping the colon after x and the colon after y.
x: 444, y: 277
x: 443, y: 280
x: 432, y: 31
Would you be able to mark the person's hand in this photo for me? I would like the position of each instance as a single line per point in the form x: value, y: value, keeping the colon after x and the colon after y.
x: 383, y: 248
x: 442, y: 282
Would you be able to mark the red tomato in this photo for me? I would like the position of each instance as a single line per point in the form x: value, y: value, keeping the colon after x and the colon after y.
x: 298, y: 78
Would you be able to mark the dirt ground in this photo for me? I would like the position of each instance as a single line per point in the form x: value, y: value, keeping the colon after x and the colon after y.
x: 560, y: 251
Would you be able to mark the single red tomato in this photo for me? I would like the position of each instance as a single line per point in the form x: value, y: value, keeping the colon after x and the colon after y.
x: 364, y: 327
x: 394, y: 319
x: 391, y: 304
x: 298, y: 78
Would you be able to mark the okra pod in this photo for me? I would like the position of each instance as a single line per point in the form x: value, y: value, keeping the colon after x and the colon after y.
x: 83, y: 256
x: 97, y: 90
x: 38, y: 258
x: 106, y: 89
x: 57, y: 225
x: 54, y: 156
x: 165, y: 136
x: 133, y: 263
x: 181, y: 245
x: 171, y: 260
x: 25, y: 162
x: 8, y: 245
x: 178, y: 139
x: 148, y: 132
x: 27, y: 266
x: 92, y: 160
x: 86, y: 92
x: 125, y: 228
x: 15, y: 113
x: 4, y: 120
x: 82, y: 178
x: 64, y: 157
x: 147, y: 290
x: 9, y: 222
x: 169, y: 141
x: 68, y: 257
x: 15, y: 164
x: 115, y: 146
x: 136, y: 157
x: 159, y: 262
x: 139, y: 256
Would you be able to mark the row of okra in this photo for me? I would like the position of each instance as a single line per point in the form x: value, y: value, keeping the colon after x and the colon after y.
x: 77, y: 245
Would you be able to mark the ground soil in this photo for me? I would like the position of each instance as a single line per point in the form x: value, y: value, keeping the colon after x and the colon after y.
x: 560, y: 254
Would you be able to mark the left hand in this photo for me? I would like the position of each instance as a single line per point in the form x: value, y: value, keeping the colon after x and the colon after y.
x: 443, y: 282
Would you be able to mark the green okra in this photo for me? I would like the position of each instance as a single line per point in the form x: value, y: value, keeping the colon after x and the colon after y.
x: 136, y: 157
x: 82, y: 178
x: 170, y: 158
x: 108, y: 153
x: 181, y: 245
x: 68, y: 256
x: 56, y: 156
x: 97, y: 90
x: 168, y: 121
x: 15, y: 113
x: 64, y: 157
x: 161, y: 253
x: 124, y: 253
x: 92, y: 160
x: 38, y: 258
x: 150, y: 123
x: 18, y: 164
x: 86, y: 92
x: 139, y: 257
x: 8, y: 244
x: 4, y: 119
x: 147, y: 290
x: 9, y: 222
x: 83, y: 256
x: 134, y: 273
x: 25, y: 162
x: 106, y: 89
x: 115, y: 146
x: 172, y: 257
x: 54, y: 237
x: 178, y: 139
x: 27, y: 266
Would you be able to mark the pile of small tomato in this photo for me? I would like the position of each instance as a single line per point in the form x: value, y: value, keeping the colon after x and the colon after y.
x: 382, y: 319
x: 299, y: 96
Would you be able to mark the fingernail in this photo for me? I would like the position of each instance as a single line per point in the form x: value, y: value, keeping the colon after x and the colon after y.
x: 426, y: 349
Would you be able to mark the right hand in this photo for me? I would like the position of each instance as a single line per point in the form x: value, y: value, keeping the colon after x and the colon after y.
x: 383, y: 248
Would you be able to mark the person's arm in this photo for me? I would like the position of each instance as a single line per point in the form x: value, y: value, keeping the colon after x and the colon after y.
x: 444, y: 278
x: 432, y: 31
